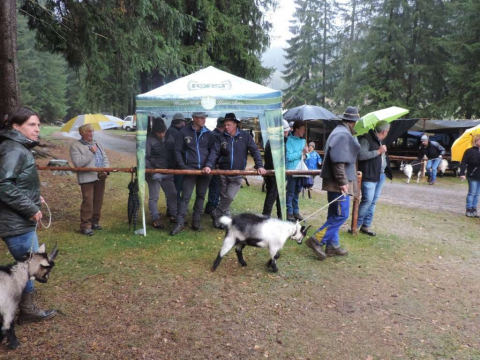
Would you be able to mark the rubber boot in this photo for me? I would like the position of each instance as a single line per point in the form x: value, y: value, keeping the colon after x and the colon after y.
x: 29, y: 312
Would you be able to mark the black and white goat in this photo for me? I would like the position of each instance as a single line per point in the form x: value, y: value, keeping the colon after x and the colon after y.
x: 13, y: 280
x: 259, y: 231
x: 409, y: 170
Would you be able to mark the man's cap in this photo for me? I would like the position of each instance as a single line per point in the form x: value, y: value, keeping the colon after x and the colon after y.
x: 158, y: 125
x: 286, y: 126
x: 220, y: 123
x: 231, y: 116
x: 200, y: 114
x: 351, y: 114
x: 424, y: 138
x: 178, y: 116
x: 311, y: 144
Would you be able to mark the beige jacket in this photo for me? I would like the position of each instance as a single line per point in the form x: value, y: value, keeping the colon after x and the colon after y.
x: 83, y: 157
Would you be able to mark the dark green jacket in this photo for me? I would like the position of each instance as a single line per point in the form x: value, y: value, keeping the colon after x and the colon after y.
x: 19, y: 184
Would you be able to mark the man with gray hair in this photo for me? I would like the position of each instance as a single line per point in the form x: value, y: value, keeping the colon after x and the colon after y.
x: 374, y: 165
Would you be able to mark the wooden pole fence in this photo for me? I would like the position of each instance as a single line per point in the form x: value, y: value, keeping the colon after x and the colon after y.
x: 179, y: 172
x: 356, y: 204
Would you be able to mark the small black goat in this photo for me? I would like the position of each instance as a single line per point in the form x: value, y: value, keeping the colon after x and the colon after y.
x: 258, y: 231
x: 13, y: 280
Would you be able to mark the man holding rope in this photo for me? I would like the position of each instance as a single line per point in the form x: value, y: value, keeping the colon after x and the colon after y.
x: 434, y: 153
x: 339, y: 180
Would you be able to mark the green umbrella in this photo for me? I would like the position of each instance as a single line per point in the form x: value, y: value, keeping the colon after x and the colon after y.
x: 368, y: 122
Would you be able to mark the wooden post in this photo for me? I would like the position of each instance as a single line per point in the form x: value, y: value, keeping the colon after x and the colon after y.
x: 356, y: 204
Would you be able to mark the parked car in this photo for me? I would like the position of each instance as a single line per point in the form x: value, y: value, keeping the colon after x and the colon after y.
x: 130, y: 123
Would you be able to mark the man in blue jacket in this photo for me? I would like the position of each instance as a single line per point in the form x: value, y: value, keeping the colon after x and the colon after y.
x: 434, y: 153
x: 231, y: 149
x: 192, y: 149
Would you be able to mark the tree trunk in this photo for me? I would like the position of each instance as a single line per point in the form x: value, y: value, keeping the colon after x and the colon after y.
x: 9, y: 96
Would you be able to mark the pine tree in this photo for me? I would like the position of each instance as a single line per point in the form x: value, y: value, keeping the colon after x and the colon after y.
x: 310, y: 53
x: 42, y: 77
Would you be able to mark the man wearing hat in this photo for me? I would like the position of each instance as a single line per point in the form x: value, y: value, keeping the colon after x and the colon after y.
x: 339, y: 176
x: 214, y: 187
x: 231, y: 149
x: 192, y: 149
x: 159, y: 155
x: 270, y: 181
x: 434, y: 153
x: 178, y: 122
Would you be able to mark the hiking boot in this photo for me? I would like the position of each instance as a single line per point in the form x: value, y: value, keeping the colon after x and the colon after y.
x: 216, y: 215
x: 179, y: 227
x: 317, y: 248
x: 196, y: 225
x: 290, y: 217
x: 475, y: 213
x: 468, y: 213
x: 156, y: 224
x: 331, y: 250
x: 431, y: 182
x: 209, y: 208
x: 96, y: 227
x: 367, y: 231
x: 29, y: 312
x: 298, y: 217
x: 88, y: 232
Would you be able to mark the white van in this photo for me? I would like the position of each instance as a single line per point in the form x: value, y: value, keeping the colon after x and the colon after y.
x: 130, y: 123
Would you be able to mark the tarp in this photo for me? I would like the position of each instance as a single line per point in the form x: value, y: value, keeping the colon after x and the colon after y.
x: 432, y: 125
x: 217, y: 93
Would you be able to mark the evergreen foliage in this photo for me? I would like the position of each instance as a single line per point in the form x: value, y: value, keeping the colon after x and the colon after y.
x: 418, y: 54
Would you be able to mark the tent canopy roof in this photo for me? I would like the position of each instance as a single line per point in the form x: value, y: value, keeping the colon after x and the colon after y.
x: 211, y: 90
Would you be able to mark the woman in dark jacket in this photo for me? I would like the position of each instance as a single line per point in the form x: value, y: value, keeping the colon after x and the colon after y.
x: 470, y: 170
x: 20, y: 198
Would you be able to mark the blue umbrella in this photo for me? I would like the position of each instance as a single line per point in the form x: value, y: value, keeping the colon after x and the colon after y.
x: 309, y: 112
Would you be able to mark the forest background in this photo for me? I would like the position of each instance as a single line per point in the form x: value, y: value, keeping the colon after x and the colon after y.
x: 95, y: 56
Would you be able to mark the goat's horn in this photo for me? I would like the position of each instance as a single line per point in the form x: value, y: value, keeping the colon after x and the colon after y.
x: 53, y: 253
x: 306, y: 230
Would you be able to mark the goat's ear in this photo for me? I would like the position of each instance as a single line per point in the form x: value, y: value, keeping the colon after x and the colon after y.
x: 41, y: 249
x: 53, y: 254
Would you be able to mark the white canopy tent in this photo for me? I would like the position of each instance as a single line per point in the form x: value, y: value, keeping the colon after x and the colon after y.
x: 217, y: 93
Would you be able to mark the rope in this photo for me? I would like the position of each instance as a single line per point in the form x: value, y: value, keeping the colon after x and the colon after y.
x: 421, y: 162
x: 331, y: 202
x: 43, y: 225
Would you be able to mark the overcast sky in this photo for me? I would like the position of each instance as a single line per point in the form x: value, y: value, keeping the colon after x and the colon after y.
x: 281, y: 22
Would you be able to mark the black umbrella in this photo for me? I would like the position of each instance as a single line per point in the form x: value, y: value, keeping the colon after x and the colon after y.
x: 133, y: 201
x: 309, y: 112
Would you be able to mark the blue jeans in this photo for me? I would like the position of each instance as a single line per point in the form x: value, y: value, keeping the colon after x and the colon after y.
x: 370, y: 193
x: 178, y: 181
x: 214, y: 192
x: 327, y: 234
x: 19, y: 246
x: 473, y: 193
x: 432, y: 166
x: 292, y: 195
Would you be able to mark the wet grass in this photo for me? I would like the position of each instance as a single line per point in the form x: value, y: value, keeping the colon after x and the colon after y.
x: 409, y: 293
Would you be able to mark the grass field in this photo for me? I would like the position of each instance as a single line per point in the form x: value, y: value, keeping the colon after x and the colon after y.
x: 409, y: 293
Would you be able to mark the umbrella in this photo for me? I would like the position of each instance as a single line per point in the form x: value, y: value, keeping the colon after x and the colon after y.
x: 369, y: 121
x: 98, y: 122
x: 309, y: 112
x: 463, y: 143
x: 114, y: 118
x: 133, y: 202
